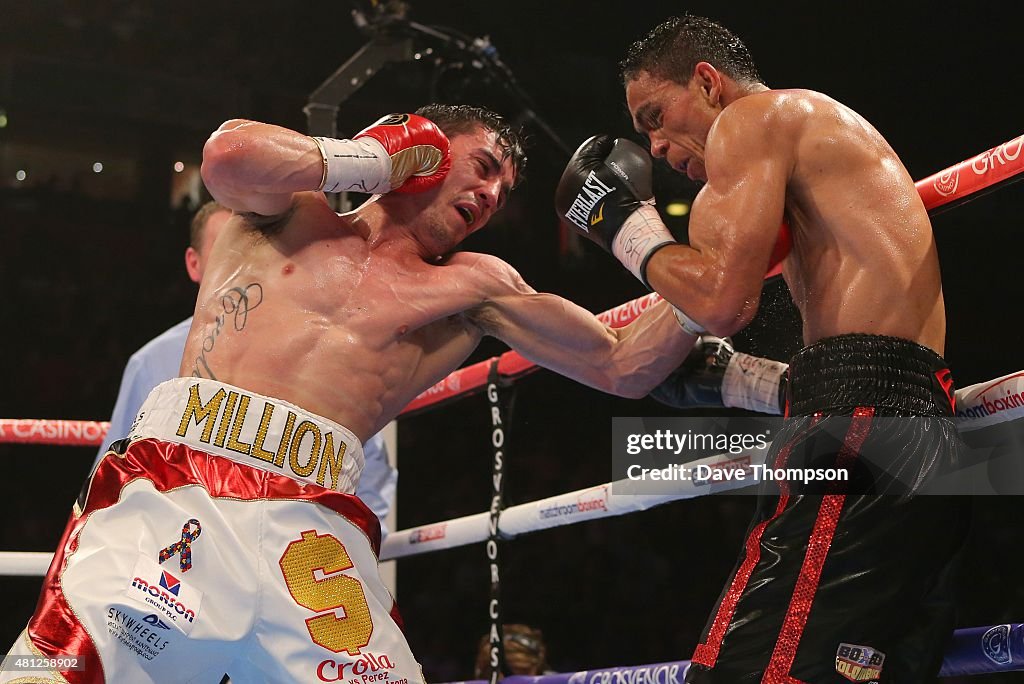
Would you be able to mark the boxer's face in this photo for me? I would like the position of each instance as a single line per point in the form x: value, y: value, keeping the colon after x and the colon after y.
x: 477, y: 186
x: 675, y: 117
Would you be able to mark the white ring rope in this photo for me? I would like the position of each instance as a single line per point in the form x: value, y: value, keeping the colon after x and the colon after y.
x: 978, y: 406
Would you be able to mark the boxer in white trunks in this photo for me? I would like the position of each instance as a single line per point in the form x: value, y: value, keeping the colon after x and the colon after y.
x: 222, y: 535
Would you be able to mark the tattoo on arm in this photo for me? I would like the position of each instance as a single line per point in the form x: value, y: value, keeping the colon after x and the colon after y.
x: 236, y: 304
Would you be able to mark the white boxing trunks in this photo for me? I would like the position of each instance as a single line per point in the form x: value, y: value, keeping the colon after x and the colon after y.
x: 222, y: 537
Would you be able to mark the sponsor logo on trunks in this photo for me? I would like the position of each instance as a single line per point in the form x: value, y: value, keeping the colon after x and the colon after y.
x: 171, y: 598
x: 591, y: 500
x: 135, y: 423
x: 303, y: 447
x: 859, y: 663
x: 996, y: 644
x: 366, y: 669
x: 170, y: 583
x: 590, y: 195
x: 152, y: 619
x: 429, y: 533
x: 137, y: 635
x: 183, y: 548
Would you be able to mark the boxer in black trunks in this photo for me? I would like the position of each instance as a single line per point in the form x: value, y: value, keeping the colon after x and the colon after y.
x: 836, y: 587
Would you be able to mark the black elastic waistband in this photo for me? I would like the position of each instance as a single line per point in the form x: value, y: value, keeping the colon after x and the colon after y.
x: 900, y: 377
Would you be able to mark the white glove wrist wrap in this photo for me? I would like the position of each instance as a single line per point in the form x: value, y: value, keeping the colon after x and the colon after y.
x: 686, y: 323
x: 752, y: 383
x: 362, y: 165
x: 641, y: 234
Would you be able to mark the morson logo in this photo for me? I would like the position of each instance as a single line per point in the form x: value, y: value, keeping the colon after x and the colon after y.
x: 166, y: 599
x: 169, y: 582
x: 174, y: 600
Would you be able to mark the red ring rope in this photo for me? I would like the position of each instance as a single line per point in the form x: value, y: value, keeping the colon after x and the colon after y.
x: 958, y: 182
x: 955, y: 183
x: 46, y: 431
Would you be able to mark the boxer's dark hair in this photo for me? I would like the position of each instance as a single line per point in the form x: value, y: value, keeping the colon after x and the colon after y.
x: 456, y: 119
x: 673, y: 48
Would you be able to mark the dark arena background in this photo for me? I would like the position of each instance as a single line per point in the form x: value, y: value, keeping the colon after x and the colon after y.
x: 91, y: 265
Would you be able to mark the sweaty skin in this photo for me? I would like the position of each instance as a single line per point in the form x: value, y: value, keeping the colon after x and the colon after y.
x: 863, y: 258
x: 351, y: 316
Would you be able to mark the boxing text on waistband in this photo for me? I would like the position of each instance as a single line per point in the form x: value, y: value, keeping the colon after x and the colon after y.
x: 271, y: 435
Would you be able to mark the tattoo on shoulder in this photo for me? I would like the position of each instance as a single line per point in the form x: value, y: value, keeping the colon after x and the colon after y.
x: 236, y: 304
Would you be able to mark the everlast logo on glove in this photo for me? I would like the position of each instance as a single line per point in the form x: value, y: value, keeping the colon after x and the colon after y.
x: 605, y: 193
x: 592, y: 192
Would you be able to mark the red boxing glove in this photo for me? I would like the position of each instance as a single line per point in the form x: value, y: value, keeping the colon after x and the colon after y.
x: 418, y: 149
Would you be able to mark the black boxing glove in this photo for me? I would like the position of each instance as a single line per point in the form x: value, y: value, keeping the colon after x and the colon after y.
x: 715, y: 375
x: 605, y: 193
x: 697, y: 383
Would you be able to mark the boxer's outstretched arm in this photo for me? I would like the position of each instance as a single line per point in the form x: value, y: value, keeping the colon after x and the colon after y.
x: 561, y: 336
x: 256, y: 167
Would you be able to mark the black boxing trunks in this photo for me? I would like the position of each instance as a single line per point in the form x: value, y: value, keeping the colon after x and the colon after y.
x: 849, y: 581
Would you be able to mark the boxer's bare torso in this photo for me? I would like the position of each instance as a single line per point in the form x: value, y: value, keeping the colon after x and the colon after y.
x: 324, y: 319
x: 352, y: 316
x: 863, y: 257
